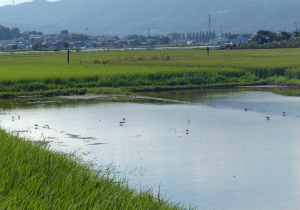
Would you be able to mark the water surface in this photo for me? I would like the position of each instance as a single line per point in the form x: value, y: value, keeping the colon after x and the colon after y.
x: 229, y: 158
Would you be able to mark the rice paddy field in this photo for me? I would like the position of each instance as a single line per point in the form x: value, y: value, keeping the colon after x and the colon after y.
x: 130, y: 71
x: 34, y: 177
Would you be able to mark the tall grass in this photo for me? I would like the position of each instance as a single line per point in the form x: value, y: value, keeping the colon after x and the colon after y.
x: 34, y: 177
x: 98, y: 72
x: 73, y: 79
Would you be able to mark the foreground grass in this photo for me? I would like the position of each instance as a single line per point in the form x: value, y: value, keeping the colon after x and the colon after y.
x: 129, y: 71
x: 33, y: 177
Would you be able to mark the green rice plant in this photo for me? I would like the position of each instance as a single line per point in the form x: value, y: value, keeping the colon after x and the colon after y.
x: 293, y: 73
x: 49, y: 73
x: 33, y: 176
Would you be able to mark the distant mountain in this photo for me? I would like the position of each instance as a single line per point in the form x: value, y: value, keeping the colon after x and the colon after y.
x: 161, y: 16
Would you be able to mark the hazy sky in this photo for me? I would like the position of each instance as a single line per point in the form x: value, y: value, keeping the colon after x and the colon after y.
x: 10, y: 2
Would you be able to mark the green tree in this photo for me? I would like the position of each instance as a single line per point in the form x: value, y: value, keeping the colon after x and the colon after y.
x: 15, y: 32
x: 66, y: 44
x: 262, y: 37
x: 37, y: 46
x: 296, y: 34
x: 79, y: 37
x: 285, y: 35
x: 64, y: 32
x: 5, y: 33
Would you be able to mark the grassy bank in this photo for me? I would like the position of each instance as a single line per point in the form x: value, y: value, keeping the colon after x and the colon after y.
x: 33, y: 177
x: 129, y: 71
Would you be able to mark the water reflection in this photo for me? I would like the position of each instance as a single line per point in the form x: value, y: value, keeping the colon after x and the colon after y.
x: 274, y: 100
x: 231, y: 159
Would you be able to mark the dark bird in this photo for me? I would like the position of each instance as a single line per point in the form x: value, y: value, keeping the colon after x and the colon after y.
x: 47, y: 126
x: 283, y: 113
x: 246, y: 109
x: 123, y: 118
x: 268, y: 118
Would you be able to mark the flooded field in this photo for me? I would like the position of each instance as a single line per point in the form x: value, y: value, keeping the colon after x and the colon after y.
x: 211, y: 149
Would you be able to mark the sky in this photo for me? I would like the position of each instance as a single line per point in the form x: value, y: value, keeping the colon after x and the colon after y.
x: 10, y: 2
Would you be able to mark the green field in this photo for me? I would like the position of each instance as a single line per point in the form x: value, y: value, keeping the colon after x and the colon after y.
x: 34, y: 177
x: 129, y: 71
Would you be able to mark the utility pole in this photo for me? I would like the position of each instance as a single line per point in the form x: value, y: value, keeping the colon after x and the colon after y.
x: 296, y: 25
x: 209, y: 23
x: 221, y: 31
x: 148, y: 36
x: 68, y: 56
x: 86, y: 30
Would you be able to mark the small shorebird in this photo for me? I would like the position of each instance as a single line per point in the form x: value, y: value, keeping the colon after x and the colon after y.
x: 47, y: 126
x: 268, y: 118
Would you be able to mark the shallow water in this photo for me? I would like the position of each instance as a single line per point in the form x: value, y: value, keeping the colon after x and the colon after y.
x: 230, y: 158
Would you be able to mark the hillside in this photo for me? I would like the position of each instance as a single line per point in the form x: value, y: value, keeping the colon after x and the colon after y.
x: 161, y: 16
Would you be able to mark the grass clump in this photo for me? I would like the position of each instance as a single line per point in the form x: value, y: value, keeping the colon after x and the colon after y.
x: 34, y: 177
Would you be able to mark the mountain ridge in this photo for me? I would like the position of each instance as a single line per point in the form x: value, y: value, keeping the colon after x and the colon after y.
x: 161, y: 16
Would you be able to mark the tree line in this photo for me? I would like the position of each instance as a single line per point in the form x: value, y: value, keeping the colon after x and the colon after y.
x: 265, y: 39
x: 8, y: 34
